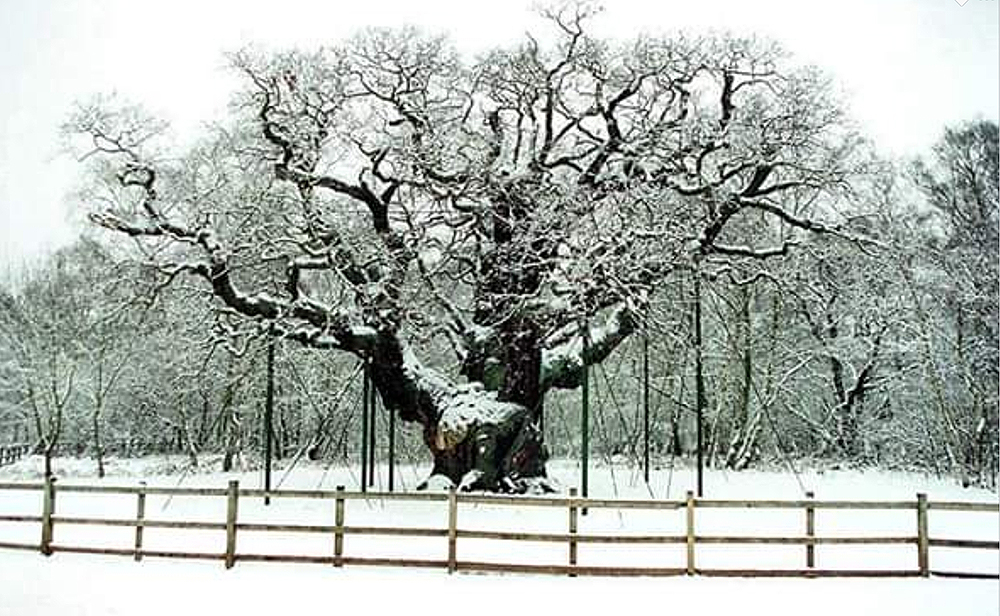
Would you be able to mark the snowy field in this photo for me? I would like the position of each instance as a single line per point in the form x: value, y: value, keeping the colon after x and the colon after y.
x: 87, y: 584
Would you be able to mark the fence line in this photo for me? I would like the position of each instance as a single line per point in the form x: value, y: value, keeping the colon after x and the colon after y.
x: 453, y: 533
x: 10, y: 454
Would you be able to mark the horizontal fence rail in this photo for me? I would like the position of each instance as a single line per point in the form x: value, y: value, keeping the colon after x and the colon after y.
x: 452, y: 503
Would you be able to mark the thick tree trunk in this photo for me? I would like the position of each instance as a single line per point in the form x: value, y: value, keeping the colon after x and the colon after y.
x: 523, y: 367
x: 477, y: 440
x: 499, y: 452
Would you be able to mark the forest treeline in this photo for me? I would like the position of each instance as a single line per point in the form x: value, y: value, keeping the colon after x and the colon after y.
x: 882, y: 355
x: 692, y: 217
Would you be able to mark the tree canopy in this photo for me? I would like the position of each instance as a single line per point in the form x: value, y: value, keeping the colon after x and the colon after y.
x: 462, y: 225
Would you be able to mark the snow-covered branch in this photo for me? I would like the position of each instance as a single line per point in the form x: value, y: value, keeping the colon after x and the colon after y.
x: 562, y: 363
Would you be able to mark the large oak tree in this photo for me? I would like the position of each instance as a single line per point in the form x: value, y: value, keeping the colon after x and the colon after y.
x: 467, y: 226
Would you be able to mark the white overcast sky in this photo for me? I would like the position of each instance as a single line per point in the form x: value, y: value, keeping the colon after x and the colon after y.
x: 909, y: 66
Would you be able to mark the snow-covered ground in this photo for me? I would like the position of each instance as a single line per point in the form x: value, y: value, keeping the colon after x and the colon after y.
x: 81, y: 585
x: 84, y: 584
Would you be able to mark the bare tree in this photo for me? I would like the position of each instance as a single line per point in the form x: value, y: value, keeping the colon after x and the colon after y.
x: 386, y: 199
x: 961, y: 185
x: 40, y: 329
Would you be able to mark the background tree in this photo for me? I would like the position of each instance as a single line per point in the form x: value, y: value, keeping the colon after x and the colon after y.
x: 961, y: 183
x: 41, y: 329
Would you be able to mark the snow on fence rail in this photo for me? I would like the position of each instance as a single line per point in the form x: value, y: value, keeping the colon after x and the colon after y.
x: 574, y: 506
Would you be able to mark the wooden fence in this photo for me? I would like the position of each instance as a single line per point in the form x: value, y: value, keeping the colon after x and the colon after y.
x: 10, y: 454
x: 573, y: 505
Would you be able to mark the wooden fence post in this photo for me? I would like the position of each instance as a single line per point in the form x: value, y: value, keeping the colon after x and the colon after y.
x: 232, y: 501
x: 452, y: 530
x: 922, y: 540
x: 572, y: 529
x: 140, y: 515
x: 810, y: 532
x: 690, y: 532
x: 48, y: 507
x: 338, y: 537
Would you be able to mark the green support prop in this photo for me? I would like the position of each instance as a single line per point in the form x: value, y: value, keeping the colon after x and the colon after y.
x: 392, y: 449
x: 585, y: 420
x: 699, y: 379
x: 372, y: 406
x: 645, y: 405
x: 268, y: 419
x: 364, y: 428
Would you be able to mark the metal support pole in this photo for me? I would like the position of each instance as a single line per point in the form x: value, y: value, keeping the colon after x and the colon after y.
x: 268, y: 419
x: 645, y: 405
x: 699, y: 379
x: 372, y: 406
x: 392, y: 449
x: 585, y: 403
x: 364, y: 428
